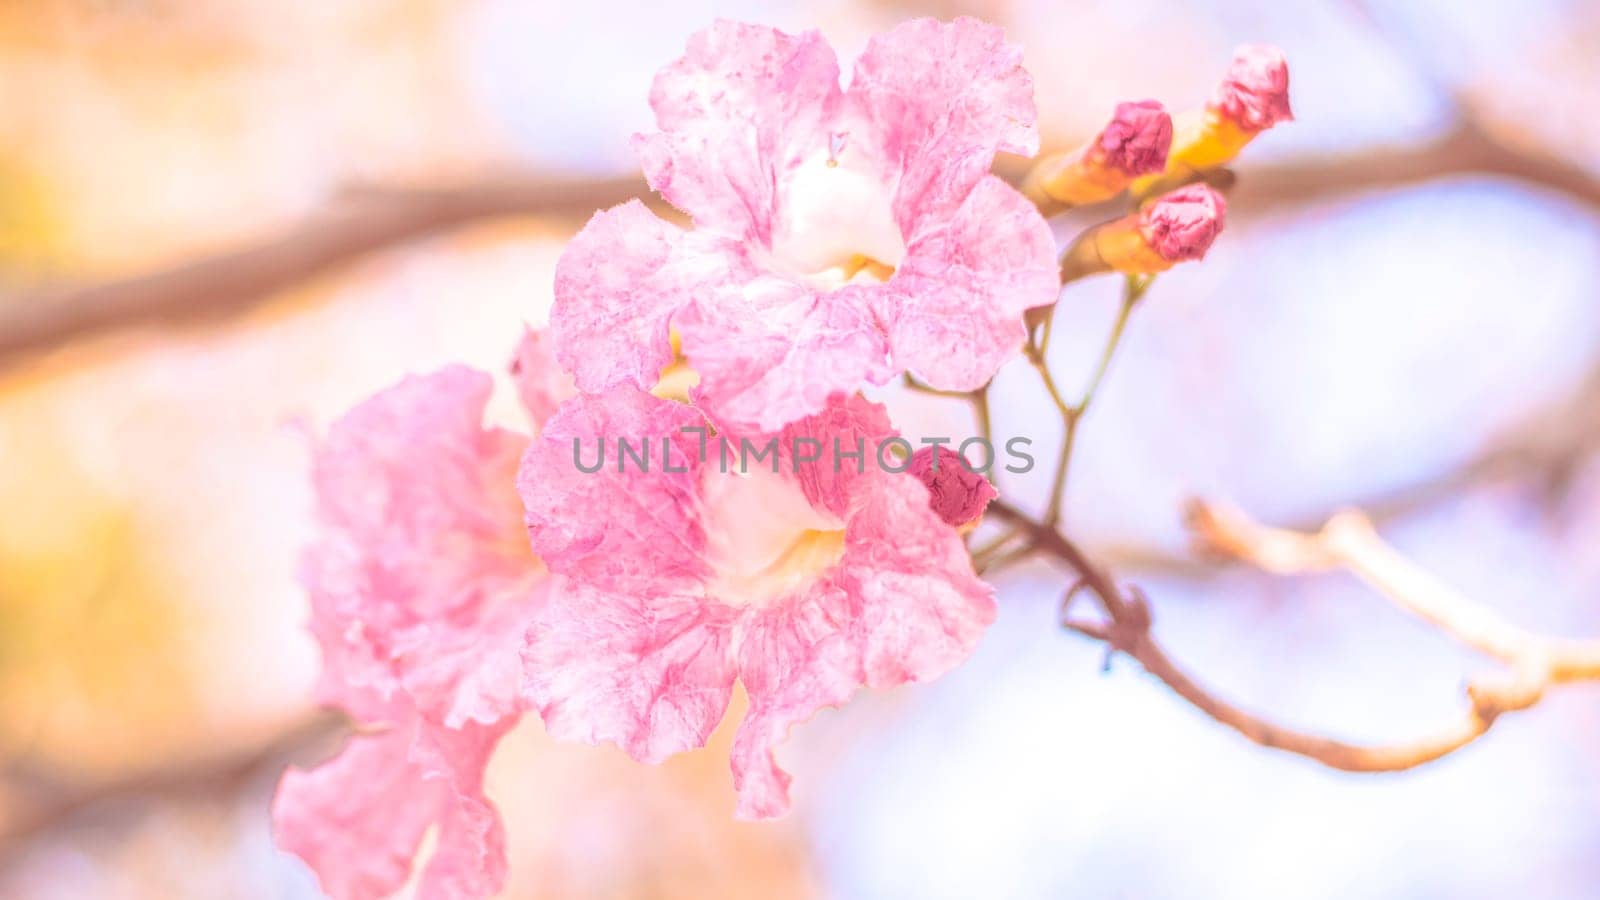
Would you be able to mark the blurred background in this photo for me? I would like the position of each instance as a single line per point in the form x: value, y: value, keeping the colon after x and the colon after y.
x: 224, y: 221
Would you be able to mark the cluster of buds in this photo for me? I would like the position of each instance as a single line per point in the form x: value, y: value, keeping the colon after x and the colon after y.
x: 1143, y: 153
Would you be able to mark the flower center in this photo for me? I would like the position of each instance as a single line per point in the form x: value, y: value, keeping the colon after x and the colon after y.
x: 676, y: 377
x: 836, y: 224
x: 763, y: 537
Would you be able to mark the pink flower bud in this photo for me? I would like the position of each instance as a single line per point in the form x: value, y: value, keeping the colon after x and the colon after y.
x: 956, y: 493
x: 1182, y: 224
x: 1254, y: 92
x: 1137, y: 138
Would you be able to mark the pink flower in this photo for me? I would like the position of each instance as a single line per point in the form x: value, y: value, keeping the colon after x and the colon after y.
x: 957, y: 493
x: 839, y: 237
x: 1182, y: 224
x: 1136, y: 139
x: 1254, y: 93
x: 807, y: 575
x: 421, y: 585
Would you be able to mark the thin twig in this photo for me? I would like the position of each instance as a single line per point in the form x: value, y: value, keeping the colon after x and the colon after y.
x: 1006, y: 536
x: 1132, y: 291
x: 921, y: 388
x: 980, y: 410
x: 1072, y: 413
x: 1489, y: 701
x: 988, y: 560
x: 1069, y: 433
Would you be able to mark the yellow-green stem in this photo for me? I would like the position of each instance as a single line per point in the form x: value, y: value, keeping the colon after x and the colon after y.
x: 1072, y: 413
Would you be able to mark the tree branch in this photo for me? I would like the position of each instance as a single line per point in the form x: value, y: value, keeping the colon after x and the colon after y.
x: 1489, y: 701
x: 1464, y: 151
x: 1128, y: 630
x: 232, y: 283
x: 54, y: 804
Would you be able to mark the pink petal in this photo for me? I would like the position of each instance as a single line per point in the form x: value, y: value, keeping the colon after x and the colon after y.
x: 849, y: 424
x: 342, y: 820
x: 954, y: 310
x: 468, y: 672
x: 792, y: 666
x: 649, y: 670
x: 902, y: 605
x: 615, y: 297
x: 413, y: 468
x: 614, y: 527
x: 470, y: 859
x: 422, y: 550
x: 358, y: 819
x: 774, y: 351
x: 743, y: 104
x: 628, y: 649
x: 541, y: 382
x: 920, y: 608
x: 938, y: 100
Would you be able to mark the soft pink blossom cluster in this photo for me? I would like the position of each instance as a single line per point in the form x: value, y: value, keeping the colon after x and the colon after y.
x: 466, y: 575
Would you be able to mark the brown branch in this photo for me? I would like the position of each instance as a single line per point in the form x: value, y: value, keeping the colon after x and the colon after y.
x: 232, y: 283
x: 1128, y: 630
x: 1489, y: 700
x: 1464, y: 151
x: 54, y: 804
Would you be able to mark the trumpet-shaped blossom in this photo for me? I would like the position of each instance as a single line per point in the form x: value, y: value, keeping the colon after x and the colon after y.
x: 803, y: 574
x: 839, y: 236
x: 421, y: 585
